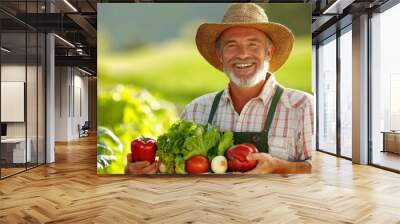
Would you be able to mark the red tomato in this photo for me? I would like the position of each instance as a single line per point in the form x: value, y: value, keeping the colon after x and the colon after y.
x: 197, y: 164
x: 237, y: 160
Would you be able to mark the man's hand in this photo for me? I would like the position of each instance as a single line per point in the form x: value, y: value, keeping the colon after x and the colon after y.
x: 266, y: 163
x: 141, y: 167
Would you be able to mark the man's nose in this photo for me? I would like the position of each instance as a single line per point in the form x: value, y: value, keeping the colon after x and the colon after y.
x: 242, y: 52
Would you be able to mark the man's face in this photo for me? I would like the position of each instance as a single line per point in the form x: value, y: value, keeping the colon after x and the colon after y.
x: 243, y: 53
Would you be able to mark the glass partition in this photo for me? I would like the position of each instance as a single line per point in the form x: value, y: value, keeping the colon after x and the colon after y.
x: 23, y: 91
x: 346, y: 92
x: 327, y: 95
x: 385, y: 89
x: 32, y: 96
x: 14, y: 152
x: 32, y: 87
x: 41, y: 87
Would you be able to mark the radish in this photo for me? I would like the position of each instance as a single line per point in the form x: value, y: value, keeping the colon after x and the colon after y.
x: 162, y: 168
x: 219, y: 164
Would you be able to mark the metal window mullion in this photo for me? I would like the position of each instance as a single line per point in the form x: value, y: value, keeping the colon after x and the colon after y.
x: 369, y: 97
x: 338, y: 96
x: 0, y: 97
x: 60, y: 92
x: 45, y: 87
x: 69, y: 93
x: 26, y: 87
x: 317, y: 96
x: 37, y: 91
x: 72, y: 93
x: 45, y: 95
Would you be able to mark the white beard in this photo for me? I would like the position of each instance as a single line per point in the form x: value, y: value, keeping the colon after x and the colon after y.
x: 249, y: 82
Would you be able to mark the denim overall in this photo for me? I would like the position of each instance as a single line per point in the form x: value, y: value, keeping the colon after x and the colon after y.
x: 259, y: 139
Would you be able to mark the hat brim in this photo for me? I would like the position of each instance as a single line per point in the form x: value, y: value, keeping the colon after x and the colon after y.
x: 281, y: 37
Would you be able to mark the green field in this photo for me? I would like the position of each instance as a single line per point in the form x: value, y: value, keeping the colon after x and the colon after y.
x: 176, y: 71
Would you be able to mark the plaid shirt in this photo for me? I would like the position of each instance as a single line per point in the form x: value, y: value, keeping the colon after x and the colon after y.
x: 291, y: 134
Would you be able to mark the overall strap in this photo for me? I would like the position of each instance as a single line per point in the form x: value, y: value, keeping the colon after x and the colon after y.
x: 272, y: 107
x: 214, y: 106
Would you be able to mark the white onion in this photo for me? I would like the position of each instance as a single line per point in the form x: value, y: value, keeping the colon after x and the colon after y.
x: 219, y: 164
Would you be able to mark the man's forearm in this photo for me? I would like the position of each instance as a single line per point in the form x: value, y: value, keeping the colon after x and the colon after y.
x: 284, y: 166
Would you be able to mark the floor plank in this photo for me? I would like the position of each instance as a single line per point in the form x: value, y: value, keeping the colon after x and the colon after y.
x: 69, y: 191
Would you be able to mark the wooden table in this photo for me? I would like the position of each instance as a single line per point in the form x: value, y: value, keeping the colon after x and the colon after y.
x: 13, y: 150
x: 391, y: 141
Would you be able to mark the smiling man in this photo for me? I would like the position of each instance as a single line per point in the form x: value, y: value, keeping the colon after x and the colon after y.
x: 278, y: 121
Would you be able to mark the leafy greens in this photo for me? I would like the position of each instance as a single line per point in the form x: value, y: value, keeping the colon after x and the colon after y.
x: 185, y: 139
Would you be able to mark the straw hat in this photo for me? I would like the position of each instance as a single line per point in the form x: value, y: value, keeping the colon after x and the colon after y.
x: 247, y: 15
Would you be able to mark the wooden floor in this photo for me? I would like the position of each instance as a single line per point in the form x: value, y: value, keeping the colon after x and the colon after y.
x: 5, y: 172
x: 69, y: 191
x: 387, y: 159
x: 10, y: 171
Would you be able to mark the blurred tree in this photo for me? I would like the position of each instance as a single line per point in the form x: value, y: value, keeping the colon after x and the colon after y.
x: 296, y: 16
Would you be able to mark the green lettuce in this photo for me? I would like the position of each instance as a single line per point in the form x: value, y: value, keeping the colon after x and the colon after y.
x: 185, y: 139
x: 225, y: 143
x: 180, y: 166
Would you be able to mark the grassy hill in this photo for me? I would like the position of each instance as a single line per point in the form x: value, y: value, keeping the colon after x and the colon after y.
x: 175, y: 70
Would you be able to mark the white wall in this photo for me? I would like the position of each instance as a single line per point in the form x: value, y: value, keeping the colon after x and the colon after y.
x: 13, y: 73
x: 71, y: 93
x: 16, y: 73
x: 62, y: 81
x: 10, y: 73
x: 33, y: 126
x: 80, y: 109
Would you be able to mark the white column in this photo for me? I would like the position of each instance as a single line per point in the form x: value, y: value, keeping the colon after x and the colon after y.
x: 50, y: 93
x: 360, y: 90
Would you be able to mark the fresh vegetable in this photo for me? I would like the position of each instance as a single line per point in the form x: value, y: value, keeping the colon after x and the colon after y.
x: 185, y: 139
x: 204, y: 138
x: 143, y: 149
x: 135, y: 112
x: 197, y: 164
x: 225, y: 143
x: 180, y: 165
x: 219, y: 164
x: 162, y: 168
x: 109, y: 148
x: 237, y: 158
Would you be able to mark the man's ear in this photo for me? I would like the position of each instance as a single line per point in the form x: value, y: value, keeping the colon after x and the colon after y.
x: 218, y: 53
x: 270, y: 52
